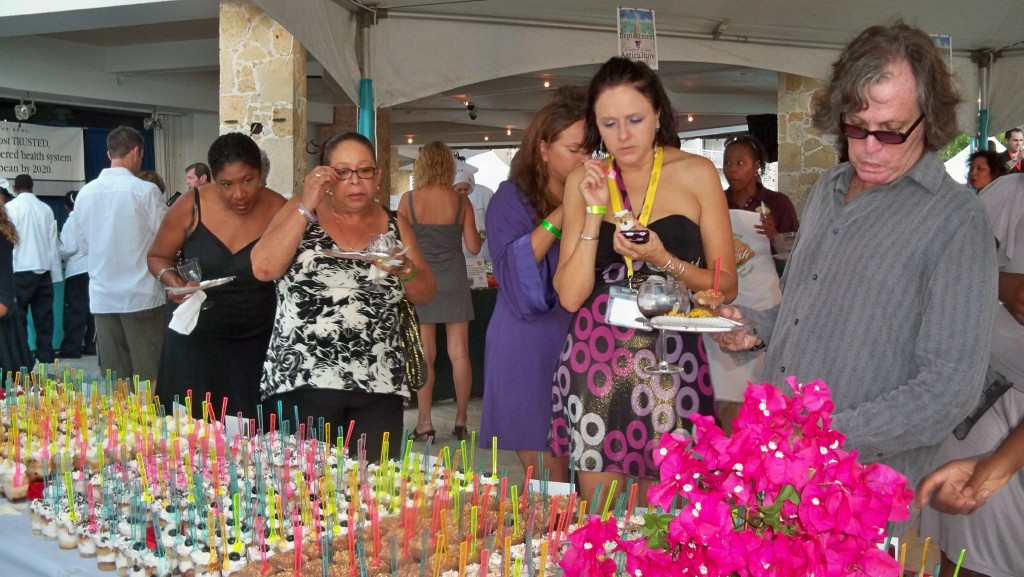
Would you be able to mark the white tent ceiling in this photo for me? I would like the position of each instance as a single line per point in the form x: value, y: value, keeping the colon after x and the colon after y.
x: 429, y: 56
x: 718, y: 59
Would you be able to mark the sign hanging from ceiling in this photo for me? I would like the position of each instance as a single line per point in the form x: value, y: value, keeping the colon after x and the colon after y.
x: 637, y: 39
x: 53, y: 157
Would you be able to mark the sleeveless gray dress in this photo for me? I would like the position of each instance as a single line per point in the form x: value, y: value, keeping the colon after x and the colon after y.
x: 441, y: 245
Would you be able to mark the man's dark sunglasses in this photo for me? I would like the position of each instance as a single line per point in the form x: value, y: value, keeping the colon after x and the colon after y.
x: 883, y: 136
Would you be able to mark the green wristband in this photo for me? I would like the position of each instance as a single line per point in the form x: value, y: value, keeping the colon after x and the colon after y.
x: 411, y: 276
x: 552, y: 229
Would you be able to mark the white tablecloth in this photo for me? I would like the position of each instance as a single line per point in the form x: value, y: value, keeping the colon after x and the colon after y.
x: 23, y: 554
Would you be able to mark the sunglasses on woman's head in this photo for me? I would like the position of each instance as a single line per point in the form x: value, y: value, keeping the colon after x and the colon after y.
x: 883, y: 136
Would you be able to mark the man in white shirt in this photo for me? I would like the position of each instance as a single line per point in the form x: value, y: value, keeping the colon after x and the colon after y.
x: 117, y: 216
x: 36, y: 262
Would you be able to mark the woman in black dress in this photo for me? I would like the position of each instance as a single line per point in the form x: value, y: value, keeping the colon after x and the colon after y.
x: 14, y: 352
x: 219, y: 223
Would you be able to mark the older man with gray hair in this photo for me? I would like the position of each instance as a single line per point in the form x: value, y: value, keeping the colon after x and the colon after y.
x: 890, y: 290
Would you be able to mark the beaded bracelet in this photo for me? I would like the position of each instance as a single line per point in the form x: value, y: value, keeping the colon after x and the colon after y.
x: 552, y: 229
x: 597, y: 209
x: 307, y: 213
x: 162, y: 271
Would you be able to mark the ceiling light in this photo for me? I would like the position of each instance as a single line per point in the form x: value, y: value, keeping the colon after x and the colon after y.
x: 409, y: 140
x: 24, y: 111
x: 689, y: 118
x: 153, y: 122
x: 487, y: 137
x: 508, y: 131
x: 547, y: 84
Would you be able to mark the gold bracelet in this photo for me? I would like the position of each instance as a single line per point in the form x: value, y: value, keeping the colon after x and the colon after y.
x: 587, y: 237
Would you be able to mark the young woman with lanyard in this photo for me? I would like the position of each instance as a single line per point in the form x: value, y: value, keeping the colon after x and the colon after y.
x: 608, y: 414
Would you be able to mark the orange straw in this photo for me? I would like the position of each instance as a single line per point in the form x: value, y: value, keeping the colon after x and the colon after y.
x: 718, y: 271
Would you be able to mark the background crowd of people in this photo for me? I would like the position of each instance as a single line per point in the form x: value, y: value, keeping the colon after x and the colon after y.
x: 296, y: 305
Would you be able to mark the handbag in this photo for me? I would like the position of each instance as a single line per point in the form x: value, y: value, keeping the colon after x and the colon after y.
x: 412, y: 345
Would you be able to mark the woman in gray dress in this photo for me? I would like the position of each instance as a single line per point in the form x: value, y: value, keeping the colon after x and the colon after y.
x: 441, y: 218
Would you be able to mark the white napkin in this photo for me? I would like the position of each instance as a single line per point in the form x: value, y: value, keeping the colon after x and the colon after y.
x: 187, y: 315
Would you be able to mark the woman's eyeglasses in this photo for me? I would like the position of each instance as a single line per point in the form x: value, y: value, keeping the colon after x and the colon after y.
x: 883, y: 136
x: 362, y: 172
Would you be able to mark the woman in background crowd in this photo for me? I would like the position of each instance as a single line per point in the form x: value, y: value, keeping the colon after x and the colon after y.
x: 219, y: 224
x: 336, y: 347
x: 442, y: 219
x: 608, y: 413
x: 985, y: 166
x: 528, y: 321
x: 14, y: 352
x: 744, y: 164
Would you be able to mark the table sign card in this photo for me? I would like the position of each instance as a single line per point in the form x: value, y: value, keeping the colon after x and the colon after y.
x: 476, y: 270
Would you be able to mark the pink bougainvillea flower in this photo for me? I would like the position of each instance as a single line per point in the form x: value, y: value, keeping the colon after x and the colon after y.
x: 779, y: 498
x: 642, y: 561
x: 587, y: 555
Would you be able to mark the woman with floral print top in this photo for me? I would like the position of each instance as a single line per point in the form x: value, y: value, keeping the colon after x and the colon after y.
x: 335, y: 351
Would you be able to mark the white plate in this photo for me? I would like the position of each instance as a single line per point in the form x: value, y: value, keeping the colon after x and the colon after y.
x: 699, y: 325
x: 187, y: 290
x: 360, y: 254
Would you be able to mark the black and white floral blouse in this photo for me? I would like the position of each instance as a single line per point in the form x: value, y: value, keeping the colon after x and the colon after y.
x: 330, y: 332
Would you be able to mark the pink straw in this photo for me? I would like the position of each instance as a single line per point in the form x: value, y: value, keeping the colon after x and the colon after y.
x: 718, y: 271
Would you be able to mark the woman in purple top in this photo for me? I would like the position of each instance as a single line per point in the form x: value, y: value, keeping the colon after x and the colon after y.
x: 528, y: 326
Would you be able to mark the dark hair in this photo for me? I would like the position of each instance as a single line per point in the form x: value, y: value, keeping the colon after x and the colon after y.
x: 122, y: 140
x: 200, y: 169
x: 231, y: 148
x: 528, y: 171
x: 338, y: 139
x: 993, y: 159
x: 620, y: 71
x: 754, y: 145
x: 1006, y: 135
x: 435, y: 165
x: 70, y: 197
x: 154, y: 177
x: 23, y: 182
x: 7, y: 229
x: 866, y: 60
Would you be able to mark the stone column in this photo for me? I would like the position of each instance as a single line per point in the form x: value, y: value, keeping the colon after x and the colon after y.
x: 804, y: 154
x: 263, y: 79
x: 346, y: 119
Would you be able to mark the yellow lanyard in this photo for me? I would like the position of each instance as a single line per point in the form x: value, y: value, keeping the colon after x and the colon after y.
x: 652, y: 191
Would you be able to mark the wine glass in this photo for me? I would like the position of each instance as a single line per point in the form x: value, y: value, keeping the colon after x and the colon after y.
x: 658, y: 296
x: 190, y: 271
x: 381, y: 247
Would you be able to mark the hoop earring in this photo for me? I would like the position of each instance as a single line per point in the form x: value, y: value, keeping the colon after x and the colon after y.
x: 600, y: 153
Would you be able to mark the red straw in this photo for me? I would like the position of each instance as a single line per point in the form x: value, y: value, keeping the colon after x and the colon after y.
x: 718, y: 271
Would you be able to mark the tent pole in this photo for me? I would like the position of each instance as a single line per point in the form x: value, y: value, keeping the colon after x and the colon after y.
x: 984, y: 73
x: 366, y: 123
